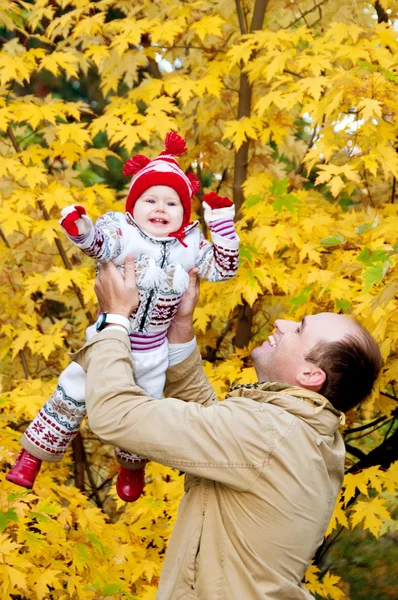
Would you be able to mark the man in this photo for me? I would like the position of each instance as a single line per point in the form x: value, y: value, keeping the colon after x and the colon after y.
x: 263, y: 468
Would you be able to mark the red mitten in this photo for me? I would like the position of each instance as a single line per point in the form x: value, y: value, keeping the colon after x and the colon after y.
x: 74, y: 221
x: 216, y: 201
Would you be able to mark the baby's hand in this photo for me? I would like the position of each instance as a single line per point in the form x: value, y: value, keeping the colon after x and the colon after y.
x: 217, y: 207
x: 75, y: 220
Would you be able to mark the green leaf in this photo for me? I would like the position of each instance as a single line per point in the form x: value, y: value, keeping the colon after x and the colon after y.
x: 48, y: 508
x: 279, y: 187
x: 366, y: 65
x: 40, y: 518
x: 97, y: 544
x: 369, y: 257
x: 365, y: 227
x: 302, y: 297
x: 287, y: 202
x: 6, y: 517
x: 248, y: 252
x: 375, y: 274
x: 390, y: 76
x: 253, y: 200
x: 332, y: 240
x: 110, y: 588
x: 346, y: 202
x: 342, y: 304
x: 17, y: 495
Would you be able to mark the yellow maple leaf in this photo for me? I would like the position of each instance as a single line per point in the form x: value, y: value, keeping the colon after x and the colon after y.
x: 338, y: 517
x: 33, y: 176
x: 336, y: 184
x: 390, y: 478
x: 238, y: 53
x: 56, y: 61
x: 371, y: 512
x: 329, y: 587
x: 252, y: 289
x: 240, y: 131
x: 369, y: 108
x: 202, y: 316
x: 74, y: 132
x: 89, y: 26
x: 208, y: 25
x: 160, y: 33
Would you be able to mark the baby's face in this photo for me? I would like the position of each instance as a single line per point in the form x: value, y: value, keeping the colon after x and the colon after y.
x: 158, y: 211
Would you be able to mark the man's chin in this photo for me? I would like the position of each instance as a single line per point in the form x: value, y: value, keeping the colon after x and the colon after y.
x: 260, y: 365
x: 265, y: 348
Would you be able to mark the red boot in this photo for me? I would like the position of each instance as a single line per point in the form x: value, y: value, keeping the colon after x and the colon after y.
x: 130, y: 484
x: 25, y: 470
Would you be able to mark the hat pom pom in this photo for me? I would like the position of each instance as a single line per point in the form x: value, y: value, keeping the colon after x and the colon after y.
x: 175, y: 144
x: 194, y: 181
x: 135, y: 164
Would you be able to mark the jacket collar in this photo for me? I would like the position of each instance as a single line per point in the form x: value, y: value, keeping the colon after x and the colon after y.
x: 311, y: 407
x: 153, y: 240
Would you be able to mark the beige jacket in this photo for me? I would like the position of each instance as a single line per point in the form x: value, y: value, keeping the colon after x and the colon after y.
x: 263, y: 469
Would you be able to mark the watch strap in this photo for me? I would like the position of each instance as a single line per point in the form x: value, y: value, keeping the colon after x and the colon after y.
x: 117, y: 320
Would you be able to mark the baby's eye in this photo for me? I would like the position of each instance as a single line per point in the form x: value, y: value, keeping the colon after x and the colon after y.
x: 171, y: 203
x: 150, y: 200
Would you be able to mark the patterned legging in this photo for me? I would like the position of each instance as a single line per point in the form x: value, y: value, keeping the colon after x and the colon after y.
x: 59, y: 419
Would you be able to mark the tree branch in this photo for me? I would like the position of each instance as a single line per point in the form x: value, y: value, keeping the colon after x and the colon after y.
x: 3, y: 237
x: 355, y: 451
x: 304, y: 14
x: 241, y: 18
x: 382, y: 16
x: 362, y: 427
x: 384, y: 455
x: 389, y: 396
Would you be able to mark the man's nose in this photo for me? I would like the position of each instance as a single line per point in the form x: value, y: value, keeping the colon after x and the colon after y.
x: 284, y: 326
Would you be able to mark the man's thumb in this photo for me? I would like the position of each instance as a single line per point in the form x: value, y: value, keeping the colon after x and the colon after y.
x: 193, y: 277
x: 129, y: 269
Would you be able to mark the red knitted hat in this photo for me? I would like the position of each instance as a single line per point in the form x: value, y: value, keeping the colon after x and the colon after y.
x: 162, y: 170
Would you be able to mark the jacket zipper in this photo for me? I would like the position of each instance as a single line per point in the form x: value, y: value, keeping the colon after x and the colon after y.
x: 144, y: 316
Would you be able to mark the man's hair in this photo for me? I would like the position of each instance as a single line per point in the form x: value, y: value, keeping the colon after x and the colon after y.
x: 351, y: 365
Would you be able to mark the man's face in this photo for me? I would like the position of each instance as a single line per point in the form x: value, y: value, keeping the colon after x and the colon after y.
x: 158, y: 211
x: 282, y: 357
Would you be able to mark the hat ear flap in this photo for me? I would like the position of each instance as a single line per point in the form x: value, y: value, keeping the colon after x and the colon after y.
x: 135, y: 164
x: 194, y: 181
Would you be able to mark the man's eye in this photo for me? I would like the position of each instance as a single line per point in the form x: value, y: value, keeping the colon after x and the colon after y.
x: 298, y: 330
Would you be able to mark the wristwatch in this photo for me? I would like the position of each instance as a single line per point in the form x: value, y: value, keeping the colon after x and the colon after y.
x: 108, y: 319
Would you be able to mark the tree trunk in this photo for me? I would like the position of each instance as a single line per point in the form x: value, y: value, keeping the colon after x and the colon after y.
x: 245, y: 318
x: 79, y: 460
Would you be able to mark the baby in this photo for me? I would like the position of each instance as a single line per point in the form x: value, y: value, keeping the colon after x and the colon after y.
x: 157, y: 231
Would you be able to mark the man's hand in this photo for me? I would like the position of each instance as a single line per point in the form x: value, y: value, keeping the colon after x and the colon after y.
x: 181, y: 327
x: 116, y: 294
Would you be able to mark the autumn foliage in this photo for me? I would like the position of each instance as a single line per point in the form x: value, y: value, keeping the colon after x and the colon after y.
x: 288, y: 107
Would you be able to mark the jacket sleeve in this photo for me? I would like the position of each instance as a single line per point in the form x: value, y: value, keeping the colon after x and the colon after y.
x: 188, y: 382
x: 104, y: 242
x: 219, y: 442
x: 218, y: 260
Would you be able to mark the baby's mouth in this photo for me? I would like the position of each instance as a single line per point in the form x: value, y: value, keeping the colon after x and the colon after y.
x: 158, y: 220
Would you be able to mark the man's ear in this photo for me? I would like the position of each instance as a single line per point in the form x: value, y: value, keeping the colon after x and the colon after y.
x: 311, y: 377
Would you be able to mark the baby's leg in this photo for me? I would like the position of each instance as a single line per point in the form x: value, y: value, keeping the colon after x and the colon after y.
x: 58, y: 421
x: 150, y: 355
